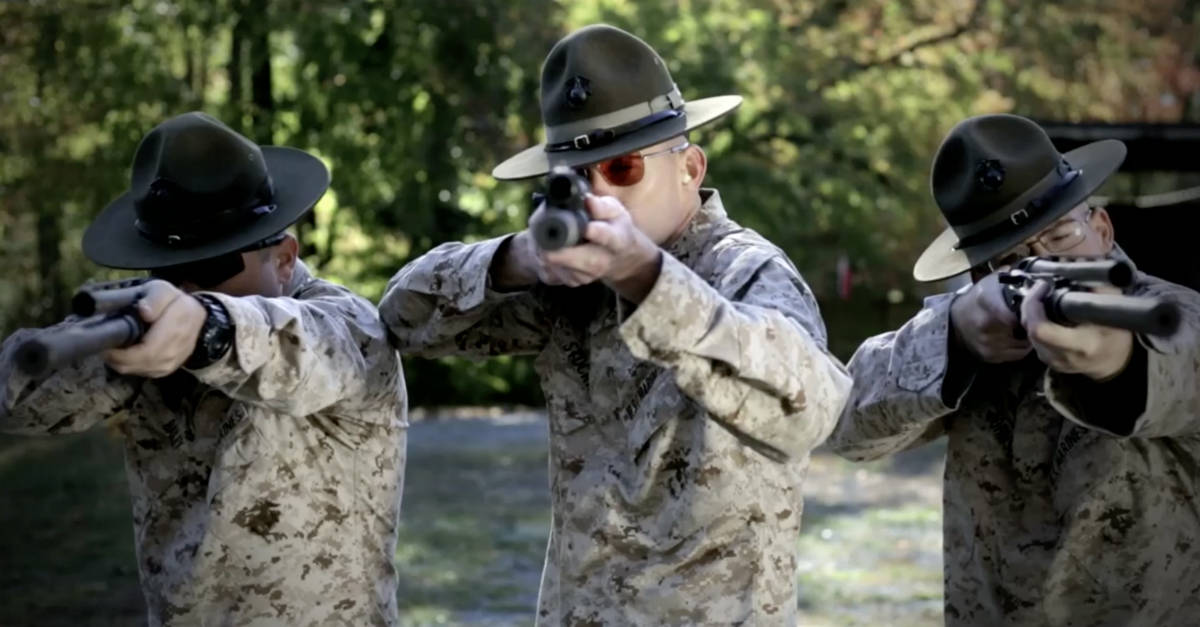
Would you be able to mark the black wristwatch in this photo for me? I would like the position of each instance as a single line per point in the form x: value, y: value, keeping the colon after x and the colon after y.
x: 216, y: 336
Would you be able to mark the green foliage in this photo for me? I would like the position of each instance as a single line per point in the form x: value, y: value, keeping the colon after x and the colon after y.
x: 411, y: 103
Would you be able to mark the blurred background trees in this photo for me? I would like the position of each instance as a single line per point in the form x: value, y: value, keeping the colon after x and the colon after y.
x: 411, y: 103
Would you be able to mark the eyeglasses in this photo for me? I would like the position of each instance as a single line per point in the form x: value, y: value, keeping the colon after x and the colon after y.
x: 629, y: 169
x: 1061, y: 237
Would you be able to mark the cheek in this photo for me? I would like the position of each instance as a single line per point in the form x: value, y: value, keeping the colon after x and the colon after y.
x: 268, y: 281
x: 235, y: 286
x: 257, y: 279
x: 656, y: 204
x: 637, y: 213
x: 635, y: 201
x: 1094, y: 245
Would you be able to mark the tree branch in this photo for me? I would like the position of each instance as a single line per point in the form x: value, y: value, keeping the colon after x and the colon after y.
x: 756, y: 143
x: 823, y: 17
x: 854, y: 67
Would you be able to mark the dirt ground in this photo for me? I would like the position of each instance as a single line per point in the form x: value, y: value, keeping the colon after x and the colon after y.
x: 473, y: 530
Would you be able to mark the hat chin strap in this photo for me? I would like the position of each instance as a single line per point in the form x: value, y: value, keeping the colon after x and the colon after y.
x: 603, y: 129
x: 164, y: 201
x: 604, y: 136
x: 204, y: 229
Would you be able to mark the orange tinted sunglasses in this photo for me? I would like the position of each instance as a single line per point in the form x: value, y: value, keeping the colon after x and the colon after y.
x: 629, y: 169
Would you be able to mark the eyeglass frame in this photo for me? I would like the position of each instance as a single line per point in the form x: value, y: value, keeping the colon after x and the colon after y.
x: 994, y: 264
x: 583, y: 170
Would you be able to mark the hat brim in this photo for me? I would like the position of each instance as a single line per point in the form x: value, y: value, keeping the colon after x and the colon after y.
x: 943, y: 259
x: 112, y: 240
x: 535, y: 161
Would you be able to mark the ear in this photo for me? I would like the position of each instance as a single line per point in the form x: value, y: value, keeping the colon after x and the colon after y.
x: 695, y: 165
x: 1102, y: 224
x: 284, y: 258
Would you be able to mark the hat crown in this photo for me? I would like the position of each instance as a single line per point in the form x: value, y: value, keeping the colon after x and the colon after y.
x: 195, y: 179
x: 988, y: 162
x: 604, y: 93
x: 599, y: 69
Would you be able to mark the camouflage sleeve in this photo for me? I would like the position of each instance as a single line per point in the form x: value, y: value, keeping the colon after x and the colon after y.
x: 442, y: 303
x: 299, y: 356
x: 896, y: 402
x: 755, y: 360
x: 1168, y: 378
x: 68, y: 400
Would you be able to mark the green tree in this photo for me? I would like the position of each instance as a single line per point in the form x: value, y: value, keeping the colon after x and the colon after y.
x: 412, y: 102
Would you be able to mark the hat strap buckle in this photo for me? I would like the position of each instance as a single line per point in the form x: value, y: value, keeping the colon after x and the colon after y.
x: 604, y: 129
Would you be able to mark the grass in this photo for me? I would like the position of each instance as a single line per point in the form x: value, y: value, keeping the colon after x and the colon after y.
x: 66, y: 533
x: 873, y: 568
x: 871, y: 543
x: 473, y: 532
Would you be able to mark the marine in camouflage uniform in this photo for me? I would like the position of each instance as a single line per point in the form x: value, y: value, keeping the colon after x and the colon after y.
x: 681, y: 419
x: 1068, y: 501
x: 265, y: 485
x: 680, y: 431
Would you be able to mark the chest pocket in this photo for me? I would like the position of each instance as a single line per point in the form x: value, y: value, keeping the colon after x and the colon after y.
x: 565, y: 370
x: 660, y: 402
x: 178, y: 415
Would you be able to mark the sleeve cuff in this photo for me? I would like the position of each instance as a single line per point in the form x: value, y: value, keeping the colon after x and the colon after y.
x: 478, y: 266
x: 675, y: 315
x: 1114, y: 407
x: 960, y: 368
x: 926, y: 360
x: 241, y: 358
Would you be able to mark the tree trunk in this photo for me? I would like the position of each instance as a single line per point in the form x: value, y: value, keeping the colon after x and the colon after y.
x: 49, y: 223
x: 234, y: 69
x: 263, y: 109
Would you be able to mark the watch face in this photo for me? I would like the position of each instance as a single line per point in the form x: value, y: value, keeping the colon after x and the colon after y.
x: 216, y: 336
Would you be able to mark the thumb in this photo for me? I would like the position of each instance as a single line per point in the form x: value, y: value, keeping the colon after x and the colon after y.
x: 159, y: 295
x: 604, y: 207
